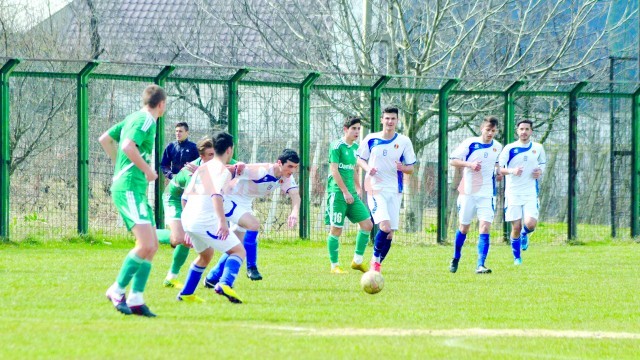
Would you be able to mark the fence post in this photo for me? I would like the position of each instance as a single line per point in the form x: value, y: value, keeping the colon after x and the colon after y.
x: 573, y: 161
x: 509, y: 132
x: 375, y: 108
x: 232, y: 108
x: 305, y: 149
x: 83, y: 146
x: 5, y: 149
x: 443, y: 157
x: 160, y: 80
x: 635, y: 164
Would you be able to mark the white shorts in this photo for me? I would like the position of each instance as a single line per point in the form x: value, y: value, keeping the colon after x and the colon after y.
x: 233, y: 211
x: 385, y: 206
x: 519, y: 207
x: 203, y: 237
x: 469, y: 205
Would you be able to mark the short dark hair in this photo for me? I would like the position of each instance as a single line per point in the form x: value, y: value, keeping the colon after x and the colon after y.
x: 221, y: 142
x: 183, y: 124
x: 289, y: 155
x: 390, y: 110
x: 351, y: 121
x: 525, y: 121
x: 203, y: 145
x: 153, y: 95
x: 490, y: 120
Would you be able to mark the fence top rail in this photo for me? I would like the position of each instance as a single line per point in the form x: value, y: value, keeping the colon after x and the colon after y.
x: 139, y: 71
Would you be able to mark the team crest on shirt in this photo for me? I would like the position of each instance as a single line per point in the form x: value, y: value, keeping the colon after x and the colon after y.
x: 534, y: 151
x: 281, y: 181
x: 396, y: 146
x: 494, y: 149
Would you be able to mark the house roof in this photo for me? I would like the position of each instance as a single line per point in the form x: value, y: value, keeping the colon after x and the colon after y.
x: 182, y: 31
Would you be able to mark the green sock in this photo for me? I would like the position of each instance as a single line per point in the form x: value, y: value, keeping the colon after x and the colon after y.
x: 333, y: 243
x: 141, y: 276
x: 362, y: 239
x: 164, y: 236
x: 129, y: 267
x: 180, y: 255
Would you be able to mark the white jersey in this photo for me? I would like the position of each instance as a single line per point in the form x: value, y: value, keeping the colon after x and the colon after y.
x: 529, y: 157
x: 383, y: 154
x: 483, y: 182
x: 257, y: 180
x: 209, y: 180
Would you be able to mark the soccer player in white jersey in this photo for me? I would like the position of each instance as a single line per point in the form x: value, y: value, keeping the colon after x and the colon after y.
x: 203, y: 220
x: 477, y: 157
x: 385, y: 157
x: 257, y: 180
x: 523, y: 162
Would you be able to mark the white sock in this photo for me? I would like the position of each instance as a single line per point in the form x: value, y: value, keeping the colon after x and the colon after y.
x: 358, y: 259
x: 171, y: 276
x: 116, y: 289
x: 376, y: 259
x: 135, y: 299
x: 333, y: 265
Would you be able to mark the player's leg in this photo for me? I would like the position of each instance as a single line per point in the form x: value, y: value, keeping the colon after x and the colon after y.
x: 357, y: 212
x: 466, y: 210
x: 251, y: 225
x: 196, y: 269
x: 531, y: 209
x: 138, y: 218
x: 236, y: 253
x: 335, y: 216
x: 485, y: 209
x: 378, y: 205
x: 180, y: 254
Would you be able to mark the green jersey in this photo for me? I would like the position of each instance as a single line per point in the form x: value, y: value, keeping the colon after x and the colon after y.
x: 180, y: 180
x: 139, y: 127
x: 345, y: 156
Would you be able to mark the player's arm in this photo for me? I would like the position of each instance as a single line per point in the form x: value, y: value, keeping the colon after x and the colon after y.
x: 356, y: 180
x: 409, y: 157
x: 459, y: 163
x: 109, y: 145
x: 365, y: 166
x: 294, y: 194
x: 131, y: 150
x: 406, y: 169
x: 542, y: 164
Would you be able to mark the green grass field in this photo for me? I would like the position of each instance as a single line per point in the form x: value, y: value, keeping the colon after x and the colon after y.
x: 565, y: 302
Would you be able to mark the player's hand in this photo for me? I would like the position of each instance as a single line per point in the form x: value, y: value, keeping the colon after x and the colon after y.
x: 240, y: 168
x: 292, y: 220
x: 191, y: 167
x: 499, y: 176
x: 348, y: 198
x: 151, y: 175
x: 187, y: 241
x: 537, y: 173
x: 373, y: 171
x: 517, y: 171
x: 475, y: 165
x: 223, y: 230
x: 359, y: 190
x: 399, y: 166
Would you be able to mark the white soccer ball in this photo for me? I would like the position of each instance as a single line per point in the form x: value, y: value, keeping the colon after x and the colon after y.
x: 372, y: 282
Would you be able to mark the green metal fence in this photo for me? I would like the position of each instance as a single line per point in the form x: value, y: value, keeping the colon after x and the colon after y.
x: 55, y: 178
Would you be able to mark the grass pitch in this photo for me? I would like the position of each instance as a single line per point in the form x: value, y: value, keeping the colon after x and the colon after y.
x: 564, y: 302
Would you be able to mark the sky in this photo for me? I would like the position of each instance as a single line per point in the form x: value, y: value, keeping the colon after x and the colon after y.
x: 39, y: 8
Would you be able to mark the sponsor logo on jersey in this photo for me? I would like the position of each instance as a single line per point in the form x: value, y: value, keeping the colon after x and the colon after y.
x: 346, y: 166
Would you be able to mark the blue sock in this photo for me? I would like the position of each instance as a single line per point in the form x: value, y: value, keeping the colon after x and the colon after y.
x: 379, y: 244
x: 460, y: 238
x: 193, y: 278
x: 251, y: 247
x: 386, y: 249
x: 515, y: 247
x: 525, y: 230
x: 483, y: 248
x: 216, y: 272
x: 231, y: 268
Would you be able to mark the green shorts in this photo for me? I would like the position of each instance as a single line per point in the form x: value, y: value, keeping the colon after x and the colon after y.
x: 338, y: 209
x: 134, y: 208
x: 172, y: 207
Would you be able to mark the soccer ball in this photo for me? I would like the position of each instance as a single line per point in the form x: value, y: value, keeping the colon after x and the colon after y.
x: 372, y: 282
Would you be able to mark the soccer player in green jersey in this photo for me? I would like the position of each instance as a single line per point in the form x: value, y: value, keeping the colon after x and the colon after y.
x: 133, y: 173
x: 172, y: 202
x: 343, y: 201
